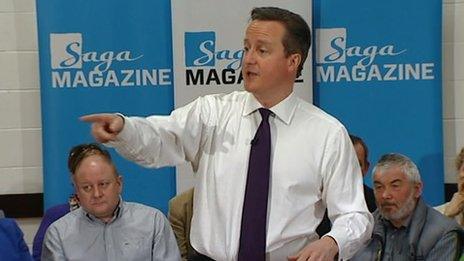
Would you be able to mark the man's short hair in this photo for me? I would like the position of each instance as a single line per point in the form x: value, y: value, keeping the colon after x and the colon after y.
x: 460, y: 159
x: 406, y: 165
x: 80, y: 152
x: 297, y: 38
x: 357, y: 140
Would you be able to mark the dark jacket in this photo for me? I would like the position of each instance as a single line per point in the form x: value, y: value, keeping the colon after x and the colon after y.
x: 427, y: 227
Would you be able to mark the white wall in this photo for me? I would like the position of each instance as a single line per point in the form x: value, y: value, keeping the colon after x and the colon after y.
x: 20, y: 124
x: 453, y: 83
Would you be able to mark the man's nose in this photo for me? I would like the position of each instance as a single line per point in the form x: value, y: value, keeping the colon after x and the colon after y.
x: 97, y: 192
x: 249, y: 57
x: 386, y: 194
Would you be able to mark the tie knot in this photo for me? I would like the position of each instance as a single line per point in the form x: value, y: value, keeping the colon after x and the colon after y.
x: 264, y: 113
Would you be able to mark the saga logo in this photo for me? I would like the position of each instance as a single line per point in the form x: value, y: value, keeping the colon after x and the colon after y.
x: 67, y: 53
x: 200, y: 50
x: 333, y: 48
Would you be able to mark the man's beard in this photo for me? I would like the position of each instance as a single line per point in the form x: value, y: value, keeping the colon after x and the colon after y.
x: 402, y: 212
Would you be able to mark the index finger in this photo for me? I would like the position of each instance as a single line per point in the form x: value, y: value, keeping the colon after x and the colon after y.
x: 98, y: 117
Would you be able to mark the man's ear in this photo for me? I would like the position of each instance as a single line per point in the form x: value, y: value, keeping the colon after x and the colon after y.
x: 119, y: 181
x: 368, y: 164
x: 294, y: 61
x: 418, y: 186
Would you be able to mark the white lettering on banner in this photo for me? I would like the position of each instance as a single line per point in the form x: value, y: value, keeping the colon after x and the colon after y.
x: 235, y: 58
x: 111, y: 78
x: 209, y: 55
x: 68, y: 61
x: 370, y: 53
x: 333, y: 50
x: 386, y: 72
x: 367, y: 54
x: 103, y: 60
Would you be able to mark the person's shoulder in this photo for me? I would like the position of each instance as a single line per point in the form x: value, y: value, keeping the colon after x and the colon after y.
x: 441, y: 208
x: 440, y: 223
x: 232, y: 96
x: 136, y: 209
x: 214, y: 106
x: 69, y: 219
x: 8, y: 224
x: 65, y: 225
x: 435, y: 215
x: 225, y: 98
x: 56, y: 212
x: 312, y: 112
x: 185, y: 197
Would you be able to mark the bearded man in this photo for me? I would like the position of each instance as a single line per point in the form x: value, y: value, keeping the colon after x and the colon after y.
x: 405, y: 228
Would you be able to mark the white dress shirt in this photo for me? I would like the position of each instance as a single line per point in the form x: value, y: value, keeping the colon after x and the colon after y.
x: 313, y: 165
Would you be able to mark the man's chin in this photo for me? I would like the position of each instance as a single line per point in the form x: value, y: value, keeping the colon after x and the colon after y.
x: 387, y: 211
x: 252, y: 88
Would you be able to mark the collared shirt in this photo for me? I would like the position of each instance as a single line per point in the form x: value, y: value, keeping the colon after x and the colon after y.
x: 313, y: 165
x: 398, y: 248
x: 136, y: 232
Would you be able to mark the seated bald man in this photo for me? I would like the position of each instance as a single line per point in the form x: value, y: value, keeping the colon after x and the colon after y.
x: 105, y: 227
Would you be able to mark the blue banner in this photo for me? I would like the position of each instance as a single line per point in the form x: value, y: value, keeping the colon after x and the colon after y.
x: 377, y: 68
x: 103, y: 56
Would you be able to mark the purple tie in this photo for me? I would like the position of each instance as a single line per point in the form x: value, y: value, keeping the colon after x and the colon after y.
x: 253, y: 229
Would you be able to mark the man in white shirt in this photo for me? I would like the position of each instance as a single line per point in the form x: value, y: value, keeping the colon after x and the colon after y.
x: 312, y: 165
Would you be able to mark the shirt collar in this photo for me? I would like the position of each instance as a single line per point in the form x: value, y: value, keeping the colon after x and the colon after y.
x: 284, y: 110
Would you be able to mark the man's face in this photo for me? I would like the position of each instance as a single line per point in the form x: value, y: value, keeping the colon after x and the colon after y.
x: 98, y: 187
x: 395, y: 195
x: 361, y: 154
x: 265, y: 68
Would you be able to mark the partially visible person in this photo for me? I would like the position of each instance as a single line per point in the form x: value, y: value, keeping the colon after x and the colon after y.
x: 105, y: 227
x: 51, y: 215
x: 405, y: 227
x: 180, y: 216
x: 2, y: 214
x: 455, y: 207
x: 362, y: 154
x: 12, y: 245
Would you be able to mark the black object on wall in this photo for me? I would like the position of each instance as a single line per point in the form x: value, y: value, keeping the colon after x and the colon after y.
x: 22, y: 205
x: 450, y: 189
